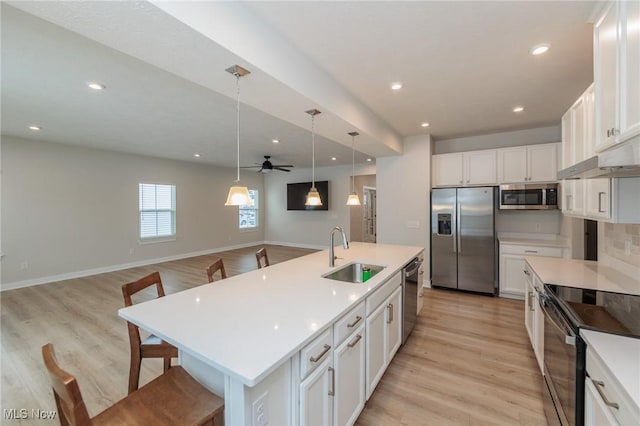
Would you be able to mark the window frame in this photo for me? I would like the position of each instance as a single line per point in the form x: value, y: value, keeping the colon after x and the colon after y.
x: 173, y: 210
x: 255, y: 208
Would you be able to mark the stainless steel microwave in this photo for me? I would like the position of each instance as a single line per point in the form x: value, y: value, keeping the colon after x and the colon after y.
x: 529, y: 196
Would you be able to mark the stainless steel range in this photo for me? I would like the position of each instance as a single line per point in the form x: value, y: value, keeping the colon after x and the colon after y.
x: 566, y: 311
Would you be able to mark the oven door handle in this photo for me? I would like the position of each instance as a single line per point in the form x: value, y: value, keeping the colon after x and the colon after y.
x: 569, y: 337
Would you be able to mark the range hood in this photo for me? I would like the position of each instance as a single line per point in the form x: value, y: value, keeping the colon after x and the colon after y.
x: 622, y: 161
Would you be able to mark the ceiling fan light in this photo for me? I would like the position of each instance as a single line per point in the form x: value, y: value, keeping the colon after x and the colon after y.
x: 313, y: 198
x: 238, y: 196
x: 353, y: 200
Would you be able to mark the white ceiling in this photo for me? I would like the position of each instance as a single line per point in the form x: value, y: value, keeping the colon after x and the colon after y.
x: 464, y: 66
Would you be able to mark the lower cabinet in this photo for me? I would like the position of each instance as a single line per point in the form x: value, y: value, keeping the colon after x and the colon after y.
x: 316, y: 395
x: 533, y: 315
x: 512, y: 280
x: 349, y: 365
x: 384, y: 335
x: 340, y: 368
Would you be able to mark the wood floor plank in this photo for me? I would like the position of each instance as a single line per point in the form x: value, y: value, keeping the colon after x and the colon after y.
x: 467, y: 362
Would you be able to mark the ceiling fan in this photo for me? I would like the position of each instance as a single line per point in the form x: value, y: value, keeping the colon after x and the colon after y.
x: 267, y: 167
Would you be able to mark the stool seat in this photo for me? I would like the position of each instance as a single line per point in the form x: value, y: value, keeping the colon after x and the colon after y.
x: 174, y: 398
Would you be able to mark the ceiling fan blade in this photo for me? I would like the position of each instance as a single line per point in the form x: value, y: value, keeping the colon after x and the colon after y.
x: 283, y: 165
x: 281, y: 169
x: 250, y: 167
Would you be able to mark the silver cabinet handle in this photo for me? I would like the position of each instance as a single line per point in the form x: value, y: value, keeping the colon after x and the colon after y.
x: 390, y: 308
x: 530, y: 301
x: 531, y: 251
x: 600, y: 194
x: 354, y: 341
x: 321, y: 354
x: 600, y: 388
x: 353, y: 324
x: 332, y: 391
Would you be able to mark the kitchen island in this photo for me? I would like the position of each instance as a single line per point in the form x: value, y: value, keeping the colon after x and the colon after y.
x: 241, y: 336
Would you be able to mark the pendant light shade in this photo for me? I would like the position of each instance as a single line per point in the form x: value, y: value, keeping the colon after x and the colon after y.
x: 313, y: 197
x: 353, y: 199
x: 238, y: 195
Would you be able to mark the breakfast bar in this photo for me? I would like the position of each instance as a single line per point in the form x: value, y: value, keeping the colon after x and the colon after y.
x: 241, y: 336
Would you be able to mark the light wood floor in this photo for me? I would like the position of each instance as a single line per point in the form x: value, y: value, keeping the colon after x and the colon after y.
x: 467, y: 362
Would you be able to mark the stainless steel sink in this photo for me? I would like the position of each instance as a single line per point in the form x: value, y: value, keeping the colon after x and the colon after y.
x: 352, y: 272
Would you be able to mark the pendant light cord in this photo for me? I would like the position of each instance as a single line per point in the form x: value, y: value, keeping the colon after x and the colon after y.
x: 238, y: 126
x: 313, y: 153
x: 353, y: 164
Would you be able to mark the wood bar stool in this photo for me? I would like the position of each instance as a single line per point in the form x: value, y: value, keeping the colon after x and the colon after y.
x: 261, y: 256
x: 174, y: 398
x: 152, y: 346
x: 216, y: 266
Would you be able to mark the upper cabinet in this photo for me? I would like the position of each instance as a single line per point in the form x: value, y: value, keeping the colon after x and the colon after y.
x: 520, y: 164
x: 465, y: 168
x: 532, y: 163
x: 617, y: 74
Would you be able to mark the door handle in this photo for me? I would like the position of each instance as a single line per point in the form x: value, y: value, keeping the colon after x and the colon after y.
x: 353, y: 324
x: 332, y: 391
x: 354, y: 341
x: 321, y: 354
x: 390, y: 309
x: 600, y: 388
x: 600, y: 194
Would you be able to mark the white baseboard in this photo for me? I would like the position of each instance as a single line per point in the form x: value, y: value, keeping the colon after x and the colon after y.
x: 87, y: 272
x: 298, y: 245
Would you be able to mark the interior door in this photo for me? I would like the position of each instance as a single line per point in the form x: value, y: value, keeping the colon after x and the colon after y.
x: 369, y: 215
x: 444, y: 271
x: 476, y: 239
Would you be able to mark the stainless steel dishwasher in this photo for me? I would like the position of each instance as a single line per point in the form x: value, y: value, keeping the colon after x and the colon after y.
x: 410, y: 282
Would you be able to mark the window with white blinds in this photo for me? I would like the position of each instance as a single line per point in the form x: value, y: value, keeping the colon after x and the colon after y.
x: 248, y: 214
x: 157, y: 211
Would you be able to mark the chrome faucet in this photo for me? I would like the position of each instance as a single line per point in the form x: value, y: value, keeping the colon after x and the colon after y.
x: 345, y: 244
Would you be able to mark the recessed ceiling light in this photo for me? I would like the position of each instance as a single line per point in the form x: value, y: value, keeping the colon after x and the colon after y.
x: 275, y: 141
x: 396, y: 86
x: 35, y: 128
x: 196, y: 155
x: 518, y: 109
x: 96, y: 86
x: 539, y: 49
x: 425, y: 124
x: 369, y: 159
x: 333, y: 158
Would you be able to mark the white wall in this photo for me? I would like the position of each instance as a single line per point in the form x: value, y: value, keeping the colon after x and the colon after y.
x: 403, y: 185
x: 68, y: 209
x: 529, y: 221
x: 499, y: 140
x: 308, y: 228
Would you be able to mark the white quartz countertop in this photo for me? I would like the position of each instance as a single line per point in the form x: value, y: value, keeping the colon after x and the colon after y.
x: 621, y: 356
x: 245, y: 326
x: 534, y: 242
x: 586, y: 274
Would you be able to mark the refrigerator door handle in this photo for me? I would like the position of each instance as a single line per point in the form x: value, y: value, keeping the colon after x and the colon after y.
x: 458, y: 228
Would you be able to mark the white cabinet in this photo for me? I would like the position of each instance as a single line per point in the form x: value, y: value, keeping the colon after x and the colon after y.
x: 512, y: 265
x: 349, y: 364
x: 524, y: 164
x: 383, y: 331
x: 394, y: 324
x: 533, y: 315
x: 447, y: 170
x: 465, y: 168
x: 318, y: 381
x: 617, y: 73
x: 480, y: 167
x: 607, y: 401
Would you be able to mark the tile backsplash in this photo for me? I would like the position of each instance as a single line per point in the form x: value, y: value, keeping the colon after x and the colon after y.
x: 616, y: 239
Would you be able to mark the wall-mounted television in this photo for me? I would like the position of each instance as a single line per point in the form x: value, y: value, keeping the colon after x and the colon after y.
x: 297, y: 194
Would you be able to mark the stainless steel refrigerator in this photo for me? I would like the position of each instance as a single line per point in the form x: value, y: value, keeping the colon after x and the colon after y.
x: 463, y: 238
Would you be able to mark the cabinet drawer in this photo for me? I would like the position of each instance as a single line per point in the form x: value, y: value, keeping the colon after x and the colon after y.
x: 348, y: 324
x: 382, y: 293
x: 628, y: 412
x: 312, y: 355
x: 531, y: 250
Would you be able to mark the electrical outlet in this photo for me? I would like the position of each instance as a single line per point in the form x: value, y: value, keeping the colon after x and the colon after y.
x: 24, y: 265
x: 260, y: 411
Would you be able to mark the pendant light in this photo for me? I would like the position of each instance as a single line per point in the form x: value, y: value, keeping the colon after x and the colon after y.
x: 238, y: 195
x: 353, y: 199
x: 313, y: 197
